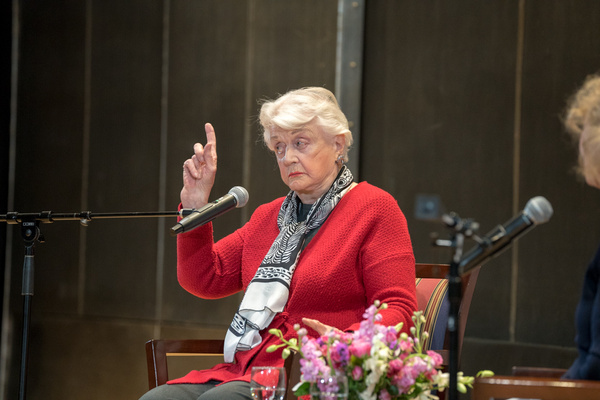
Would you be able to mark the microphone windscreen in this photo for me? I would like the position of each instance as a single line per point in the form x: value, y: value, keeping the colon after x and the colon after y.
x: 241, y: 196
x: 539, y: 210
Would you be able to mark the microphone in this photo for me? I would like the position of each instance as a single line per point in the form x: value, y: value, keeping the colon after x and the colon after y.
x: 236, y: 198
x: 537, y: 211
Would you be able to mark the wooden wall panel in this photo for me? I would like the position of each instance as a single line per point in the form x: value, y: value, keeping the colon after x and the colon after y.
x: 438, y: 112
x: 126, y: 62
x: 49, y: 122
x: 207, y: 72
x: 49, y: 143
x: 561, y: 48
x: 87, y: 358
x: 294, y: 46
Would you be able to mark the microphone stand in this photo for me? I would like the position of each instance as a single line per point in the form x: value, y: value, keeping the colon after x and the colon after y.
x: 461, y: 228
x: 31, y: 233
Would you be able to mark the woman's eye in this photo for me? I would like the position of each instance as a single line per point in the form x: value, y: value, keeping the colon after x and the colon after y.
x: 279, y: 148
x: 300, y: 144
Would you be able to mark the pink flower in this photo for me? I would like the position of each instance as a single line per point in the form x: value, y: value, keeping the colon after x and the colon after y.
x: 436, y: 358
x: 404, y: 380
x: 391, y: 335
x: 384, y: 395
x: 406, y: 345
x: 360, y: 348
x: 357, y: 373
x: 394, y: 367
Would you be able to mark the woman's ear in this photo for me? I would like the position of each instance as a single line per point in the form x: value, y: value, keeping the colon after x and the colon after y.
x: 340, y: 143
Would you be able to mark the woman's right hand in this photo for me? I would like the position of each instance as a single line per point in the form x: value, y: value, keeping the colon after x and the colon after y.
x: 199, y: 172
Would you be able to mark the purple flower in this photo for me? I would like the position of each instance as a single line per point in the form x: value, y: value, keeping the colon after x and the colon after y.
x: 419, y: 366
x: 391, y: 335
x: 404, y: 380
x: 339, y: 355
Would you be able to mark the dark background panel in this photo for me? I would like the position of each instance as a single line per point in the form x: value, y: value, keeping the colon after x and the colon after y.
x: 5, y: 100
x: 207, y: 73
x: 125, y: 87
x: 49, y: 146
x: 294, y: 45
x: 48, y: 118
x: 438, y: 113
x: 87, y: 358
x: 561, y: 49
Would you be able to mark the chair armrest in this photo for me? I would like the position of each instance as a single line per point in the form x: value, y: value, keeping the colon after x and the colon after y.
x: 157, y: 351
x: 503, y: 387
x: 538, y: 372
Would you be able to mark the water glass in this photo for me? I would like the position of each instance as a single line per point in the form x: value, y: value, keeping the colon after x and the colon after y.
x: 330, y: 388
x: 267, y: 383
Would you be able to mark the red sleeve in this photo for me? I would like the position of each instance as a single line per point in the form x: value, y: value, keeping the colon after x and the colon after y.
x: 388, y: 263
x: 205, y: 269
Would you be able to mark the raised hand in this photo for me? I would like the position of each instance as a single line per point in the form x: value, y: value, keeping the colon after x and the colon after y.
x: 199, y: 172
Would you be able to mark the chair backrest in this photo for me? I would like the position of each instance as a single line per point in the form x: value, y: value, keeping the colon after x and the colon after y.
x: 432, y: 299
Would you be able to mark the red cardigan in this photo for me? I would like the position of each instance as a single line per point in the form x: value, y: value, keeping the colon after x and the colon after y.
x: 361, y: 253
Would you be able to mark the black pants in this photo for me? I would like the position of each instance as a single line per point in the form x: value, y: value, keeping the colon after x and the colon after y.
x: 235, y: 390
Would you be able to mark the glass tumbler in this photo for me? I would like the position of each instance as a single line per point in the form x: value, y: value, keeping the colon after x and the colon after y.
x: 268, y: 383
x: 330, y: 388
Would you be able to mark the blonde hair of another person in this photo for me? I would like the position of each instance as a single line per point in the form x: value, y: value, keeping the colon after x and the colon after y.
x: 583, y: 113
x: 297, y: 108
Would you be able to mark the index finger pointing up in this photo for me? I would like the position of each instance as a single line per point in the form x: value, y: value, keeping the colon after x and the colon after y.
x: 210, y: 150
x: 210, y: 133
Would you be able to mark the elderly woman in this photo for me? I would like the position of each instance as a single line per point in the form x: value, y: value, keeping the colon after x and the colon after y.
x: 583, y: 123
x: 319, y: 256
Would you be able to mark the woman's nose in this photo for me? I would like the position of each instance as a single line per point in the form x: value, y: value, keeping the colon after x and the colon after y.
x: 289, y: 156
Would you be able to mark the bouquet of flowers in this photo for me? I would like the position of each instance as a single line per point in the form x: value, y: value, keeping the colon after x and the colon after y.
x: 379, y: 362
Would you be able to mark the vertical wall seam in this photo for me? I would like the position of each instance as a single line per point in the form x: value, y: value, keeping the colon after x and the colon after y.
x: 162, y: 172
x: 7, y: 323
x: 517, y: 166
x: 85, y: 155
x: 248, y: 105
x: 348, y: 70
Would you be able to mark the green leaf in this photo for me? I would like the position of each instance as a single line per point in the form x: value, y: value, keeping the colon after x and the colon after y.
x: 303, y: 389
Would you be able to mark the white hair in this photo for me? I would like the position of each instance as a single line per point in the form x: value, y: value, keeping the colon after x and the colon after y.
x: 299, y: 107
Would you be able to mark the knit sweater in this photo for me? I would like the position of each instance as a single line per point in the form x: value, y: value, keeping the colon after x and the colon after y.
x: 587, y: 321
x: 361, y: 253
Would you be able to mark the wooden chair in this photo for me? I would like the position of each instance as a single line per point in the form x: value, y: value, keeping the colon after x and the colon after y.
x: 432, y: 298
x: 535, y: 383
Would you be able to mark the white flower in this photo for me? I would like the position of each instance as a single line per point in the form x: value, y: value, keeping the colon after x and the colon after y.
x: 442, y: 379
x: 367, y: 396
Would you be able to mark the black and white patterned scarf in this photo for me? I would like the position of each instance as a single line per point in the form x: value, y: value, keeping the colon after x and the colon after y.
x: 268, y: 291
